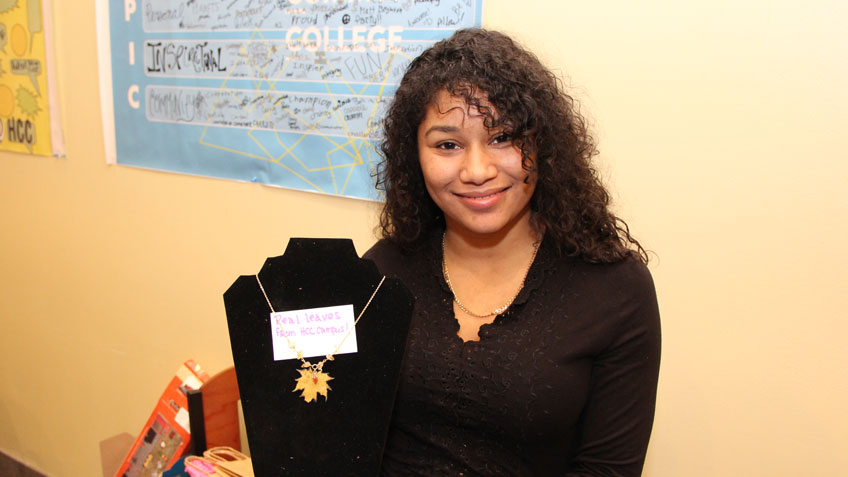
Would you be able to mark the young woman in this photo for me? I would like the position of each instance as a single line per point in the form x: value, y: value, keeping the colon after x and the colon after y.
x: 535, y: 342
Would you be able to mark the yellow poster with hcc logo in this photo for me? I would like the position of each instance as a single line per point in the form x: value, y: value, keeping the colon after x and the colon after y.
x: 28, y: 123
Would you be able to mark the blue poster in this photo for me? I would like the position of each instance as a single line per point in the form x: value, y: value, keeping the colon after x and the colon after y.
x: 283, y: 92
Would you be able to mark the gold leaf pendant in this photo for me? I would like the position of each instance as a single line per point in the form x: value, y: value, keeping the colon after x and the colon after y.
x: 311, y: 384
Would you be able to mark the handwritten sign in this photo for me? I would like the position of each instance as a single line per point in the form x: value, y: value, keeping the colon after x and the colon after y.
x: 283, y: 92
x: 313, y: 332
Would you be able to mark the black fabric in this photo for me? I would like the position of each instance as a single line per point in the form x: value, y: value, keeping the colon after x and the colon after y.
x: 345, y: 434
x: 563, y: 383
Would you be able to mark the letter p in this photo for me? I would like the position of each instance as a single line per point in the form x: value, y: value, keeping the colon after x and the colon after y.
x: 129, y: 9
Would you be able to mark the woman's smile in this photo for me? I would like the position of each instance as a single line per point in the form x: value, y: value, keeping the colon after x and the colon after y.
x: 483, y: 199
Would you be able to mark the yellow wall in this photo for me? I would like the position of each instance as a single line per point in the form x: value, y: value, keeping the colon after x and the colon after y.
x: 721, y: 130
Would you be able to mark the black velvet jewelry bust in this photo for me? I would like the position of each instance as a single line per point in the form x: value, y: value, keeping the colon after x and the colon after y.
x: 344, y: 434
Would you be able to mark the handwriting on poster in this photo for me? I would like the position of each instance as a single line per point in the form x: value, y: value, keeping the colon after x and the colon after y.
x: 260, y: 59
x: 335, y: 115
x: 365, y: 16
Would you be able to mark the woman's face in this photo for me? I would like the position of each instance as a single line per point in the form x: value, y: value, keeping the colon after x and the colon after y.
x: 473, y: 174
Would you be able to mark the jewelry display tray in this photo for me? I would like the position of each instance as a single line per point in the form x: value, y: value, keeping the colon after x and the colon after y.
x: 344, y: 434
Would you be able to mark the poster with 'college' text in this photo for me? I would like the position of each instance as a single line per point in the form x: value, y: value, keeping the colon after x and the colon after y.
x: 283, y: 92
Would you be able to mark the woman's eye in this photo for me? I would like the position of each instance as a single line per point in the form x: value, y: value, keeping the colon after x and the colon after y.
x: 447, y: 145
x: 502, y: 138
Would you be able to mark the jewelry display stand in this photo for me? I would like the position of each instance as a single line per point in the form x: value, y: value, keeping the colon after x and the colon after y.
x: 344, y: 434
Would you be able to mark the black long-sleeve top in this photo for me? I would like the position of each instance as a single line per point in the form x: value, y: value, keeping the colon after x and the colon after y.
x: 563, y: 383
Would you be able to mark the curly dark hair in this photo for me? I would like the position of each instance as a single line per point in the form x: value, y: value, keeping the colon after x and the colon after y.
x: 570, y: 203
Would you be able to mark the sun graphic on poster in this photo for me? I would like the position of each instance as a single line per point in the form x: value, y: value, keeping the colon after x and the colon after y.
x: 28, y: 101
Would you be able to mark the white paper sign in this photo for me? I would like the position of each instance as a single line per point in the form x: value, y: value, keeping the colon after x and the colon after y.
x: 314, y: 332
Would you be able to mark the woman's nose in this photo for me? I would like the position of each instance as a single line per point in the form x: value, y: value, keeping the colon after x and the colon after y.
x: 478, y: 166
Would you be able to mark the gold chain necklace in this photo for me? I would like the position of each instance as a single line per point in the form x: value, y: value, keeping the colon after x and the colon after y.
x: 496, y: 311
x: 313, y: 380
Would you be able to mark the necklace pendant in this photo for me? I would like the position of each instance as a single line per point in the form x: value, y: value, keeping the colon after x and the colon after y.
x: 311, y: 384
x: 313, y: 380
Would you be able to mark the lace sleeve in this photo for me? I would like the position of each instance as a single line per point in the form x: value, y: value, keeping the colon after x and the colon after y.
x: 615, y: 425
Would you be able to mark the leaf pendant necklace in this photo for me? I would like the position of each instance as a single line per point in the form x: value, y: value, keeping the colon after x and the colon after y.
x: 311, y: 383
x: 313, y: 380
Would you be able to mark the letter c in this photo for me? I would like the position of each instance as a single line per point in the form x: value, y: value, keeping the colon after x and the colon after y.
x: 131, y: 96
x: 289, y: 42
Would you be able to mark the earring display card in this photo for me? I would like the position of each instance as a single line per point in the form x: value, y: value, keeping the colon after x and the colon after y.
x: 166, y: 435
x: 345, y: 433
